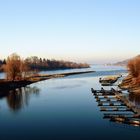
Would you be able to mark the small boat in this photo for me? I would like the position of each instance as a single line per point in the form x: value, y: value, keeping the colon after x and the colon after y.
x: 108, y: 81
x: 106, y: 84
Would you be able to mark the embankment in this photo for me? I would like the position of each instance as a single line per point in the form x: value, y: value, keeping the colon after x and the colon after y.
x: 6, y: 85
x: 131, y: 85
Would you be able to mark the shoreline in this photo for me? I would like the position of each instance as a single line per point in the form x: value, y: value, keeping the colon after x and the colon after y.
x: 129, y: 85
x: 11, y: 85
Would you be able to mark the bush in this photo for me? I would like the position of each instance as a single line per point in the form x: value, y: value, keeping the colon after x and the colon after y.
x: 134, y: 68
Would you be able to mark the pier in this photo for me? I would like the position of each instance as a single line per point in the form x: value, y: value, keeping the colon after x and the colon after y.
x: 116, y: 107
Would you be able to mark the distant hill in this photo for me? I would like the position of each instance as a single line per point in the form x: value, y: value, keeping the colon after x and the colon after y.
x: 124, y: 62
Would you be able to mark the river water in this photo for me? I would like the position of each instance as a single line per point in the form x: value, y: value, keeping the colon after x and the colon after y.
x: 61, y: 108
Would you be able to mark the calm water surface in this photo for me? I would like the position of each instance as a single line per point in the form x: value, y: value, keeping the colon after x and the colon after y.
x: 62, y: 108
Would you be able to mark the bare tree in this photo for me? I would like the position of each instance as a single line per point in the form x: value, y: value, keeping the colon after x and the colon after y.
x: 15, y: 68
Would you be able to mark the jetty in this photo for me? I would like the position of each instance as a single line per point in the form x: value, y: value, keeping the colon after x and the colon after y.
x: 116, y: 107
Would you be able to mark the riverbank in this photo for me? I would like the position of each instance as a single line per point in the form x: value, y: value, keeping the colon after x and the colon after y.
x: 6, y: 85
x: 131, y: 85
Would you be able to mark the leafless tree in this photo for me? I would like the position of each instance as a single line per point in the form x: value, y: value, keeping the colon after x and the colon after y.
x: 15, y: 68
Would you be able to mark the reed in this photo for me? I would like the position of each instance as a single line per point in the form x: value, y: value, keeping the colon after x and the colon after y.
x: 134, y: 69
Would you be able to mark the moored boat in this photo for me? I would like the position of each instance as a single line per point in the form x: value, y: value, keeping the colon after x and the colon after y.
x: 109, y: 80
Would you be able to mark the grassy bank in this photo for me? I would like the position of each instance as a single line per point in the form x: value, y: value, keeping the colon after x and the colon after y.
x: 131, y: 85
x: 5, y: 84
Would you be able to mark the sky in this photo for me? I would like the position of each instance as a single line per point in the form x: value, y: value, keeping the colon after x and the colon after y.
x: 93, y: 31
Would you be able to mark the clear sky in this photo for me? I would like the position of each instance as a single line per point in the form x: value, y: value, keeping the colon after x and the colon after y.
x: 97, y: 31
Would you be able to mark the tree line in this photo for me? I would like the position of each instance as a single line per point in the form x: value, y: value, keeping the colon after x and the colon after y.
x: 46, y: 64
x: 17, y: 68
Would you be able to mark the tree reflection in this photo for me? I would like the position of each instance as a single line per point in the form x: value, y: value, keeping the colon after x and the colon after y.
x: 18, y: 98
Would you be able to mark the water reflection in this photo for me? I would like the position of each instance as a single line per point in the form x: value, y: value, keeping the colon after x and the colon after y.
x: 135, y: 99
x: 18, y: 98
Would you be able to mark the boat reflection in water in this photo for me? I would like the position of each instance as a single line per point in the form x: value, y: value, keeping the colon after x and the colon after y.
x: 18, y: 98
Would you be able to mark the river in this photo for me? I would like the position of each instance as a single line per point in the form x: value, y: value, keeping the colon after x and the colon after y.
x: 61, y: 108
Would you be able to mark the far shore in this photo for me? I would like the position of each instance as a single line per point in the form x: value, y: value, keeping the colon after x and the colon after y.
x: 9, y: 85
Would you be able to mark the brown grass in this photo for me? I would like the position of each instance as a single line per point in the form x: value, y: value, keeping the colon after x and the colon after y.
x: 134, y: 68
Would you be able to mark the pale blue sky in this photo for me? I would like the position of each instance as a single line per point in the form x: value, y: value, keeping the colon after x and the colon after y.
x: 98, y: 31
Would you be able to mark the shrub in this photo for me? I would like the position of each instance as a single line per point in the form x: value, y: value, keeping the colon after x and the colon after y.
x: 134, y: 68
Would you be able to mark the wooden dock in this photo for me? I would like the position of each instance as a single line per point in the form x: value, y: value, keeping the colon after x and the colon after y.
x: 116, y: 107
x: 108, y: 116
x: 107, y: 99
x: 105, y: 96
